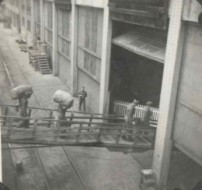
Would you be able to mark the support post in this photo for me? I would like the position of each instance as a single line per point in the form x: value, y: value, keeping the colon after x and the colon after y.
x: 0, y: 151
x: 20, y: 14
x: 33, y: 20
x: 171, y: 75
x: 54, y: 49
x: 42, y: 15
x: 105, y: 62
x: 25, y: 19
x: 74, y: 71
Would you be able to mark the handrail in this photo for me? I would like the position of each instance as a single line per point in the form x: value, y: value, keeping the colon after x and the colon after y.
x: 120, y: 127
x: 68, y: 111
x: 54, y: 120
x: 121, y: 106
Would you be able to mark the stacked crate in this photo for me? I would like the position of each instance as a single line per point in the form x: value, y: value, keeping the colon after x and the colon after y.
x: 39, y: 62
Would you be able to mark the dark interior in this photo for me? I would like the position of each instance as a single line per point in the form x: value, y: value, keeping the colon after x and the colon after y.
x: 133, y: 76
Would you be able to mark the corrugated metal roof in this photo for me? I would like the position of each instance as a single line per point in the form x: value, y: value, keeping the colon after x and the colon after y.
x: 146, y: 43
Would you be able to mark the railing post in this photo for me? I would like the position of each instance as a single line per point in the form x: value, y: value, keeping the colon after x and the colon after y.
x: 71, y: 119
x: 29, y: 115
x: 5, y: 114
x: 0, y: 149
x: 99, y: 134
x: 90, y: 121
x: 9, y: 131
x: 79, y: 133
x: 35, y: 127
x: 57, y: 126
x: 29, y: 112
x: 135, y: 135
x: 50, y: 117
x: 119, y: 136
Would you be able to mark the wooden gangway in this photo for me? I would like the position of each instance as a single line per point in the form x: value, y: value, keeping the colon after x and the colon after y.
x: 78, y: 129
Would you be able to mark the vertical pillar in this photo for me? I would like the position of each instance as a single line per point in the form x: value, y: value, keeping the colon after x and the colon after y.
x: 105, y: 61
x: 74, y: 71
x: 0, y: 152
x: 33, y: 19
x: 54, y: 49
x: 42, y: 15
x: 25, y: 16
x: 20, y: 15
x: 163, y: 144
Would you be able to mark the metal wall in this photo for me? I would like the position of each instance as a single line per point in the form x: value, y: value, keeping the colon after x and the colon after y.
x: 188, y: 119
x: 49, y: 29
x: 64, y: 45
x: 90, y: 26
x: 37, y: 18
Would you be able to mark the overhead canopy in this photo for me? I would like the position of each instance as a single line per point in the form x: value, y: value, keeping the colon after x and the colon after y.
x: 63, y: 4
x: 150, y: 44
x: 150, y: 13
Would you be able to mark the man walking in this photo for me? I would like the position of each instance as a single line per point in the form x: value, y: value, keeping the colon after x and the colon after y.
x: 130, y: 112
x: 130, y: 116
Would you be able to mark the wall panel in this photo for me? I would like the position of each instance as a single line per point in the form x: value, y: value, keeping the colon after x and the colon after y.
x: 89, y: 45
x: 188, y: 120
x: 64, y: 45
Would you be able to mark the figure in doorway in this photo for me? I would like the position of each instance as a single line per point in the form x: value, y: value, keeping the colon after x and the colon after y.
x: 130, y: 112
x: 130, y: 117
x: 82, y: 99
x: 145, y: 121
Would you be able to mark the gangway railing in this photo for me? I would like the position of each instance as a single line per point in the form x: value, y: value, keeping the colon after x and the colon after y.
x: 75, y: 133
x: 121, y: 106
x: 102, y: 131
x: 68, y: 111
x: 44, y: 113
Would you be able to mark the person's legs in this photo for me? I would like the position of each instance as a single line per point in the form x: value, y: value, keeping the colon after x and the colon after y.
x: 129, y: 129
x: 23, y: 123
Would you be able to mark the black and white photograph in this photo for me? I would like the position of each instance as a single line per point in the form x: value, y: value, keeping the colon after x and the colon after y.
x: 100, y: 94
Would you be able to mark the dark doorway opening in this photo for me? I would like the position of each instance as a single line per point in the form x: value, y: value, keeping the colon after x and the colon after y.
x: 134, y: 77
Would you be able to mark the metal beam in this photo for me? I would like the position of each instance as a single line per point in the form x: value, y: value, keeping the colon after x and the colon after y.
x: 105, y: 62
x: 74, y: 33
x: 0, y: 152
x: 55, y: 46
x: 163, y: 144
x: 92, y: 3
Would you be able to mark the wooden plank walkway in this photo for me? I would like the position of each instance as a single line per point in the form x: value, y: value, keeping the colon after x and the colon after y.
x: 76, y: 130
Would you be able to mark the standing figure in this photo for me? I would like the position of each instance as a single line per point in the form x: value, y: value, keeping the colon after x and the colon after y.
x: 130, y: 116
x: 82, y: 99
x: 22, y: 93
x: 147, y: 115
x: 130, y: 112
